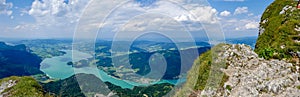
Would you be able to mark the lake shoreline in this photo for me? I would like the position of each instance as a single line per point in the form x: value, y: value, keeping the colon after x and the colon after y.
x: 60, y: 70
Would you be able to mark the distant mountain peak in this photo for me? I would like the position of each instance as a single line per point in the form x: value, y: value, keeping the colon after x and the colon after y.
x: 20, y: 47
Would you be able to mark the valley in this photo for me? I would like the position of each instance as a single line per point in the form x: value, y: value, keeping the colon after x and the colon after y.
x: 57, y: 66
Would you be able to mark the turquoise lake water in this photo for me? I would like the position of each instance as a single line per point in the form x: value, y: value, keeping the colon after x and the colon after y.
x: 57, y: 68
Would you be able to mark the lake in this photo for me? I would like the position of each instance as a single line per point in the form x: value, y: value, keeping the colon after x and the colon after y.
x: 57, y: 68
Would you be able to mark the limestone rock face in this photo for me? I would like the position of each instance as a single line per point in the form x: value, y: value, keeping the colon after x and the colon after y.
x: 6, y: 85
x: 251, y: 76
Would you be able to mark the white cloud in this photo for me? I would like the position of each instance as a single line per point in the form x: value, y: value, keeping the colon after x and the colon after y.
x: 194, y: 14
x: 252, y: 25
x: 204, y: 14
x: 130, y: 17
x: 250, y: 14
x: 17, y: 27
x: 57, y: 10
x: 5, y: 8
x: 225, y: 13
x: 241, y: 10
x: 55, y: 18
x: 240, y: 24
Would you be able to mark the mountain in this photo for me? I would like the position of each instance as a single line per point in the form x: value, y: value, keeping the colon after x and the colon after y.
x: 236, y: 70
x: 47, y: 48
x: 279, y: 35
x: 70, y: 87
x: 251, y: 41
x: 18, y: 61
x: 20, y: 47
x: 272, y: 69
x: 21, y: 87
x: 140, y: 61
x: 156, y: 90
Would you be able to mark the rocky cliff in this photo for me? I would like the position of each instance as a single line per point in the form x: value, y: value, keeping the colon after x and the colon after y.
x: 250, y: 75
x: 246, y: 74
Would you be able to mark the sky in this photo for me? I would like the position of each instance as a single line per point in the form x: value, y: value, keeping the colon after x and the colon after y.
x: 39, y: 19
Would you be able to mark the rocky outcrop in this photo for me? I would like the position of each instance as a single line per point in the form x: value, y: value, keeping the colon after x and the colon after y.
x: 251, y: 76
x: 5, y: 85
x: 21, y: 87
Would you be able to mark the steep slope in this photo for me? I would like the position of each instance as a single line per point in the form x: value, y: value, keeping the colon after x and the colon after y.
x: 21, y: 87
x: 265, y: 72
x: 70, y: 88
x: 245, y: 74
x: 279, y: 35
x: 18, y: 61
x: 156, y: 90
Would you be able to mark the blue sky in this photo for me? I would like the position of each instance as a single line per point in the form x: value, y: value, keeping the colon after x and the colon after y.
x: 59, y: 18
